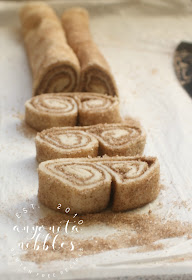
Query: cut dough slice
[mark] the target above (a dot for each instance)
(65, 142)
(50, 110)
(82, 187)
(98, 108)
(119, 139)
(135, 182)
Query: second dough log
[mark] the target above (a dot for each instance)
(96, 75)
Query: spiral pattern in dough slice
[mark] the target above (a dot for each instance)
(129, 169)
(97, 79)
(96, 108)
(54, 103)
(64, 142)
(49, 110)
(135, 182)
(61, 78)
(130, 181)
(119, 139)
(83, 187)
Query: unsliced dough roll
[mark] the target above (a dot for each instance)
(112, 139)
(85, 185)
(69, 109)
(54, 65)
(95, 71)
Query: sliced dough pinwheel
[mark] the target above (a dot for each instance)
(120, 139)
(98, 108)
(69, 109)
(135, 182)
(54, 65)
(111, 139)
(49, 110)
(85, 185)
(64, 143)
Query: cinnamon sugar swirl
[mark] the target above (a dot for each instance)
(49, 110)
(119, 139)
(65, 142)
(96, 75)
(111, 139)
(85, 185)
(95, 108)
(54, 65)
(135, 182)
(69, 109)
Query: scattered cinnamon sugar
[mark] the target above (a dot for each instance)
(182, 203)
(27, 131)
(154, 71)
(19, 116)
(150, 247)
(187, 257)
(131, 121)
(131, 230)
(22, 127)
(163, 187)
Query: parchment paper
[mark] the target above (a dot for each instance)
(138, 39)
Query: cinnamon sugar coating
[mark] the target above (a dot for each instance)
(96, 75)
(85, 185)
(70, 109)
(90, 141)
(54, 65)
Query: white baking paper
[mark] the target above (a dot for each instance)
(138, 39)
